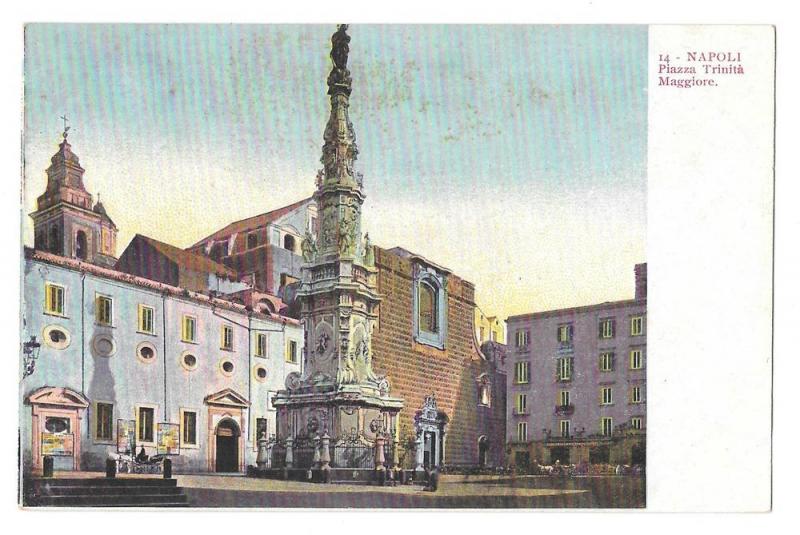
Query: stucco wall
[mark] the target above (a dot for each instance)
(543, 351)
(126, 380)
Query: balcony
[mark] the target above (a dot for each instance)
(565, 410)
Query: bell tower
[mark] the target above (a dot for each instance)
(67, 222)
(338, 391)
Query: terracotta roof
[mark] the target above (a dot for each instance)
(252, 223)
(188, 260)
(107, 273)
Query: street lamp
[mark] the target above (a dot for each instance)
(30, 351)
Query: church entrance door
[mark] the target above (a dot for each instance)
(227, 437)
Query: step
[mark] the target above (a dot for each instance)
(70, 490)
(112, 500)
(105, 481)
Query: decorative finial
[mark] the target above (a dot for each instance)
(66, 128)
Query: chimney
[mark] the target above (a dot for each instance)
(641, 281)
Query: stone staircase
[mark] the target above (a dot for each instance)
(103, 492)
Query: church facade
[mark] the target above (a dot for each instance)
(169, 353)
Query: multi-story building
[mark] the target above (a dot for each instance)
(125, 362)
(264, 249)
(577, 382)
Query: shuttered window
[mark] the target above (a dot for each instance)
(54, 299)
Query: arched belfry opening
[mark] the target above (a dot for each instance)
(81, 246)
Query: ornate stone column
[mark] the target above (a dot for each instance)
(379, 457)
(419, 450)
(289, 453)
(316, 461)
(325, 458)
(263, 455)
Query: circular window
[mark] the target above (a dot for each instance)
(189, 360)
(146, 352)
(226, 366)
(56, 336)
(104, 345)
(260, 373)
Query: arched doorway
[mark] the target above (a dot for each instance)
(431, 427)
(483, 450)
(227, 446)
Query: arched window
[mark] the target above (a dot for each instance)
(428, 308)
(484, 390)
(80, 245)
(288, 242)
(252, 240)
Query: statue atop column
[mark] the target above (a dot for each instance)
(340, 47)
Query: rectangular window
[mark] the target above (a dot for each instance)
(261, 344)
(563, 398)
(636, 394)
(637, 326)
(607, 328)
(189, 328)
(606, 426)
(564, 427)
(606, 361)
(606, 395)
(565, 334)
(564, 368)
(146, 315)
(103, 310)
(145, 424)
(226, 338)
(522, 372)
(522, 431)
(636, 359)
(523, 338)
(291, 351)
(54, 299)
(522, 403)
(188, 428)
(636, 422)
(104, 420)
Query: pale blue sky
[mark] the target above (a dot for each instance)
(514, 155)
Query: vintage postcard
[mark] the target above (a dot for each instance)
(389, 266)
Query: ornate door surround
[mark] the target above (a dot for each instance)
(224, 404)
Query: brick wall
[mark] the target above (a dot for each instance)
(415, 370)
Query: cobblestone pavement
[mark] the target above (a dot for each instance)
(454, 492)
